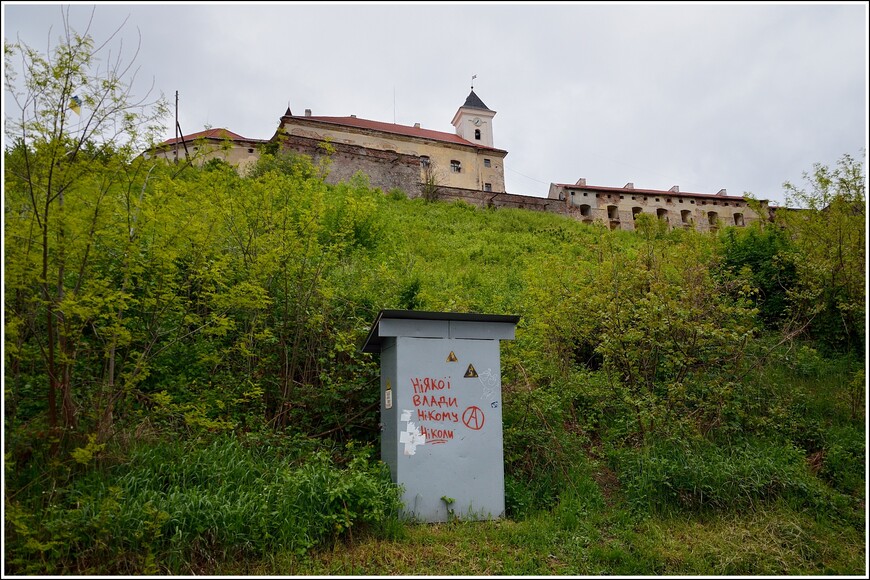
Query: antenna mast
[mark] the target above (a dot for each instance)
(176, 126)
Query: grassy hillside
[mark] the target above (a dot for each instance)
(666, 410)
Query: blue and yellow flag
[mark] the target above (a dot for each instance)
(75, 104)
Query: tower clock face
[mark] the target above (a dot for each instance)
(476, 121)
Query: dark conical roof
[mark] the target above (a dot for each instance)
(474, 102)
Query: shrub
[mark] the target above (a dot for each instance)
(844, 460)
(178, 506)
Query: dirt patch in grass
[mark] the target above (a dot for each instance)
(608, 482)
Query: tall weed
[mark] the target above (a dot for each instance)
(178, 507)
(679, 475)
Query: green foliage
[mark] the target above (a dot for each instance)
(845, 459)
(70, 185)
(684, 475)
(175, 504)
(762, 255)
(829, 251)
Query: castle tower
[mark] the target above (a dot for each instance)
(473, 121)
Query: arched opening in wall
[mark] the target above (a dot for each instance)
(635, 211)
(614, 225)
(613, 212)
(738, 219)
(713, 218)
(477, 134)
(585, 210)
(662, 214)
(424, 161)
(588, 221)
(686, 217)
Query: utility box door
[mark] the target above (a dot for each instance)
(443, 425)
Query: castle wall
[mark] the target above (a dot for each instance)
(386, 169)
(617, 207)
(473, 173)
(501, 200)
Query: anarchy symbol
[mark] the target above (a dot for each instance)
(473, 418)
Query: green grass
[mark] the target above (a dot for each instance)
(180, 506)
(774, 540)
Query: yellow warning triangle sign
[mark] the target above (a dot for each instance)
(451, 357)
(470, 373)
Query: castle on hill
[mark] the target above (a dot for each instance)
(464, 165)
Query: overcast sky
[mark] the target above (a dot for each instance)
(705, 96)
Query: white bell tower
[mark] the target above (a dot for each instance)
(473, 121)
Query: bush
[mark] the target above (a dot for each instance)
(176, 507)
(844, 460)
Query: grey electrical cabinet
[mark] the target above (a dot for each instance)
(441, 410)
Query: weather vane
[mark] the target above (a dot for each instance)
(472, 81)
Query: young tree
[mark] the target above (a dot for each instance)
(828, 231)
(74, 127)
(430, 187)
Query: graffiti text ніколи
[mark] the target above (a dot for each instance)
(436, 436)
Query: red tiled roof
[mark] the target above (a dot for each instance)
(635, 190)
(396, 129)
(211, 134)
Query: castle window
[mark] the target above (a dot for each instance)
(680, 200)
(657, 199)
(712, 218)
(635, 211)
(585, 210)
(487, 187)
(584, 194)
(686, 216)
(477, 134)
(662, 214)
(487, 163)
(738, 219)
(424, 160)
(250, 150)
(455, 166)
(613, 212)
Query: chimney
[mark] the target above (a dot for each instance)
(353, 116)
(629, 185)
(416, 125)
(581, 181)
(675, 189)
(722, 192)
(307, 112)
